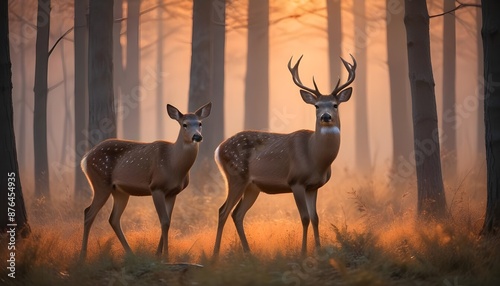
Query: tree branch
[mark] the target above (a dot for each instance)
(58, 40)
(460, 6)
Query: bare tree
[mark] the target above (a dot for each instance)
(362, 146)
(102, 119)
(257, 73)
(334, 28)
(81, 95)
(480, 75)
(449, 146)
(42, 188)
(160, 125)
(397, 63)
(215, 126)
(491, 45)
(118, 69)
(131, 119)
(207, 76)
(431, 197)
(13, 209)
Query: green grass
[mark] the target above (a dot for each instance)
(365, 242)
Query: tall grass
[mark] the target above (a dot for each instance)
(366, 241)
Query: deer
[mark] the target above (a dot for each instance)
(122, 168)
(299, 163)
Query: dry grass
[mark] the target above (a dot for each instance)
(367, 240)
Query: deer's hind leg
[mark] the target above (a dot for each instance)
(102, 192)
(249, 198)
(236, 188)
(120, 201)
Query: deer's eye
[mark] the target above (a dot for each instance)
(200, 124)
(316, 106)
(184, 125)
(335, 106)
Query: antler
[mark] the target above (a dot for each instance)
(351, 68)
(296, 79)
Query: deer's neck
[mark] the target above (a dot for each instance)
(184, 153)
(325, 143)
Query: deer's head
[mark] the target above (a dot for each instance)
(326, 105)
(190, 122)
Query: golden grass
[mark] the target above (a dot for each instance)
(367, 239)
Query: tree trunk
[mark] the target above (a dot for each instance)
(82, 191)
(201, 63)
(160, 112)
(118, 70)
(42, 188)
(102, 119)
(214, 127)
(257, 74)
(397, 62)
(334, 15)
(362, 145)
(200, 84)
(480, 90)
(131, 93)
(431, 197)
(22, 90)
(491, 46)
(12, 203)
(449, 146)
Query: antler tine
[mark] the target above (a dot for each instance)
(296, 79)
(315, 86)
(351, 68)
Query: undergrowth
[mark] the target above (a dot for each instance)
(366, 240)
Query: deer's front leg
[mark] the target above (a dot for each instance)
(161, 208)
(169, 202)
(311, 197)
(299, 194)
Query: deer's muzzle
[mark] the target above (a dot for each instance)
(197, 138)
(326, 117)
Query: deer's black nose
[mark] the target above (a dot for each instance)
(326, 117)
(197, 138)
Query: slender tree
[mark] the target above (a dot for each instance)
(334, 28)
(449, 146)
(491, 46)
(132, 119)
(480, 76)
(257, 71)
(397, 63)
(362, 146)
(41, 91)
(201, 80)
(118, 69)
(102, 119)
(81, 95)
(160, 113)
(431, 197)
(12, 202)
(215, 126)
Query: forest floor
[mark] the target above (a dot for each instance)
(367, 239)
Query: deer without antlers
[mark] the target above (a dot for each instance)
(126, 168)
(299, 162)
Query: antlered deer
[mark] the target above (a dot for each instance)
(299, 162)
(126, 168)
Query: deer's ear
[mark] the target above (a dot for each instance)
(174, 113)
(308, 97)
(344, 95)
(204, 111)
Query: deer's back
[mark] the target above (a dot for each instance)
(241, 153)
(125, 161)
